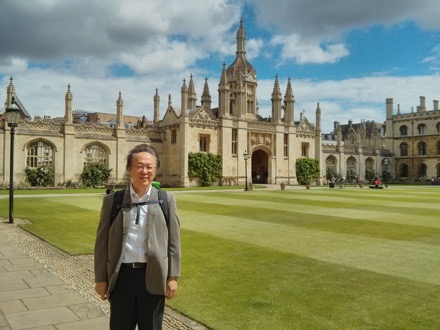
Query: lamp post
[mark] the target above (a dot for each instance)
(12, 116)
(245, 156)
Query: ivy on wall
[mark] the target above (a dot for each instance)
(206, 166)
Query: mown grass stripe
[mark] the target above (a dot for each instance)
(377, 255)
(342, 212)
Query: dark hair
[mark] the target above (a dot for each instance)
(142, 148)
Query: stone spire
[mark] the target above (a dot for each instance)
(192, 97)
(276, 101)
(119, 112)
(184, 98)
(10, 92)
(223, 94)
(156, 101)
(241, 39)
(68, 106)
(206, 96)
(318, 118)
(289, 101)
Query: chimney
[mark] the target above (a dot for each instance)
(435, 104)
(422, 106)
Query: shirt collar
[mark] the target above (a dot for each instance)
(135, 197)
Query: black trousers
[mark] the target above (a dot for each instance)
(131, 304)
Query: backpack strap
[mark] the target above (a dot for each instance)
(117, 202)
(119, 196)
(163, 202)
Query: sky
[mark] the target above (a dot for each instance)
(346, 55)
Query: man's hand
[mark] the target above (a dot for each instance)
(171, 288)
(101, 289)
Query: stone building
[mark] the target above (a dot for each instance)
(355, 148)
(407, 145)
(232, 129)
(414, 141)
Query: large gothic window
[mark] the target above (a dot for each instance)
(403, 130)
(94, 153)
(330, 164)
(204, 143)
(234, 141)
(39, 154)
(369, 163)
(421, 147)
(403, 149)
(351, 164)
(403, 171)
(422, 171)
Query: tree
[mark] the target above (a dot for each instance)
(307, 169)
(95, 174)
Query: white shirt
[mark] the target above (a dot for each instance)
(135, 249)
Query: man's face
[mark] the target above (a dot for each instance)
(142, 169)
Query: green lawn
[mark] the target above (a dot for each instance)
(294, 259)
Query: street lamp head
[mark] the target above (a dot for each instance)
(13, 114)
(385, 161)
(245, 155)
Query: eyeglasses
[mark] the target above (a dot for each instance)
(146, 168)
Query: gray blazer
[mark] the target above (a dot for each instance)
(163, 257)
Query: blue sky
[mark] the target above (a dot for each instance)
(348, 55)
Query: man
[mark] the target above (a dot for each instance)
(137, 256)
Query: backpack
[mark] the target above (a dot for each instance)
(117, 204)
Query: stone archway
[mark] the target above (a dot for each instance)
(260, 167)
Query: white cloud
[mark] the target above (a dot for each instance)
(304, 52)
(355, 99)
(328, 19)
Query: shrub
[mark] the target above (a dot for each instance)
(95, 174)
(350, 175)
(307, 169)
(369, 174)
(330, 173)
(42, 176)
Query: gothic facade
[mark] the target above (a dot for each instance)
(405, 145)
(232, 129)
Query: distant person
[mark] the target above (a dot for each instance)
(355, 181)
(137, 256)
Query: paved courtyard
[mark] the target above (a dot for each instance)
(43, 288)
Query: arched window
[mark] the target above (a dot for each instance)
(438, 127)
(421, 129)
(403, 171)
(438, 147)
(403, 149)
(438, 170)
(422, 171)
(369, 163)
(403, 130)
(421, 147)
(94, 153)
(38, 154)
(330, 165)
(351, 164)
